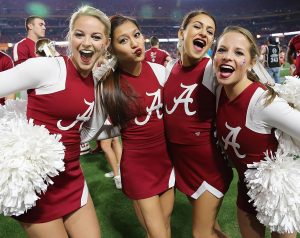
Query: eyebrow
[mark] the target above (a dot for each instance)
(203, 24)
(129, 33)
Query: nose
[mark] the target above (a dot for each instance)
(86, 41)
(202, 31)
(227, 56)
(133, 43)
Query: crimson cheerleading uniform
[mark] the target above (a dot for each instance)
(146, 169)
(156, 55)
(189, 98)
(62, 100)
(246, 127)
(5, 64)
(294, 44)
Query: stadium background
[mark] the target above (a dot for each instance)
(161, 18)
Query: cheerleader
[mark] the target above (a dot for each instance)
(248, 114)
(189, 96)
(62, 97)
(132, 96)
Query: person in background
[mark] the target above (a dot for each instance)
(62, 98)
(271, 59)
(5, 64)
(25, 48)
(293, 55)
(131, 94)
(112, 149)
(248, 109)
(156, 55)
(190, 106)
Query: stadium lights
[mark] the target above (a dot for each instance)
(280, 34)
(291, 33)
(65, 43)
(277, 34)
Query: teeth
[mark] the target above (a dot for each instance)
(227, 67)
(86, 51)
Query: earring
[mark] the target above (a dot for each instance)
(179, 45)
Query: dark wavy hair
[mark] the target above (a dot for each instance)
(118, 100)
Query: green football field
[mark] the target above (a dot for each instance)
(115, 212)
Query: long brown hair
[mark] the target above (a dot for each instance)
(254, 53)
(118, 101)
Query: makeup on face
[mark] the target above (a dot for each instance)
(128, 43)
(88, 43)
(197, 38)
(232, 58)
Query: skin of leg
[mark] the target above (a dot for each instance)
(151, 214)
(117, 148)
(110, 155)
(250, 227)
(139, 215)
(167, 204)
(83, 223)
(277, 235)
(50, 229)
(218, 230)
(205, 211)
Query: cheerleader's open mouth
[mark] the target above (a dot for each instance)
(226, 70)
(199, 44)
(86, 55)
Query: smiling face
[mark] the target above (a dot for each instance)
(128, 44)
(232, 59)
(197, 38)
(88, 41)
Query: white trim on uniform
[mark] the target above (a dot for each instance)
(159, 72)
(208, 78)
(84, 196)
(15, 50)
(206, 187)
(172, 179)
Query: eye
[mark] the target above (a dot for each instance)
(221, 50)
(78, 34)
(123, 41)
(210, 32)
(137, 34)
(197, 26)
(239, 53)
(97, 37)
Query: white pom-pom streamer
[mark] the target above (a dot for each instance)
(290, 91)
(274, 188)
(99, 72)
(29, 157)
(13, 108)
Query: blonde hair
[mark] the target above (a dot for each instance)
(88, 11)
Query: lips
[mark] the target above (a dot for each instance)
(138, 52)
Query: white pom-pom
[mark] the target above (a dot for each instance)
(290, 91)
(99, 72)
(13, 108)
(29, 157)
(274, 188)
